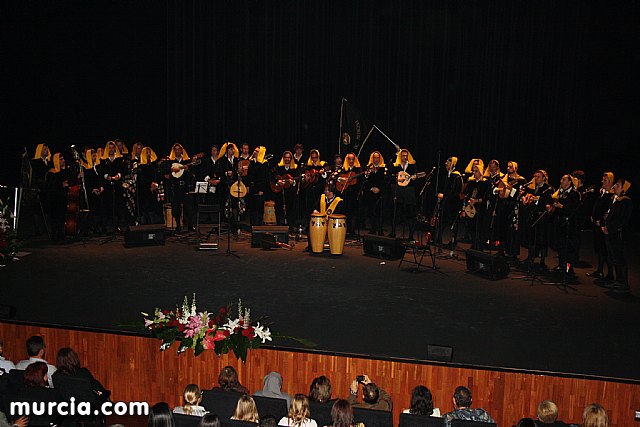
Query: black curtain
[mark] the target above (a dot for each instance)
(549, 84)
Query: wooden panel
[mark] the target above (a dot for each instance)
(134, 369)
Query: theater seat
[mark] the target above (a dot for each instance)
(183, 420)
(467, 423)
(410, 420)
(220, 402)
(372, 417)
(236, 423)
(321, 412)
(271, 406)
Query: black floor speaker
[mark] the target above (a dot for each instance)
(494, 267)
(385, 247)
(144, 235)
(280, 232)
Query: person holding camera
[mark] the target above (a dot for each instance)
(372, 396)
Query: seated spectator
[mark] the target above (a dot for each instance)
(594, 415)
(548, 414)
(246, 410)
(160, 416)
(422, 403)
(209, 420)
(462, 408)
(5, 365)
(372, 396)
(526, 422)
(36, 350)
(20, 422)
(192, 397)
(273, 388)
(68, 364)
(228, 381)
(320, 390)
(36, 383)
(268, 421)
(342, 415)
(299, 413)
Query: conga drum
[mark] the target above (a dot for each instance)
(169, 223)
(317, 232)
(269, 215)
(337, 233)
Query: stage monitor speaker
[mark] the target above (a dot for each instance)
(494, 267)
(144, 235)
(280, 232)
(385, 247)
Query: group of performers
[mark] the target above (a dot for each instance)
(500, 211)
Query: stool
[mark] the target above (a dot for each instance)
(418, 251)
(203, 210)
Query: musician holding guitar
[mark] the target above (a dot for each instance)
(404, 170)
(449, 197)
(179, 185)
(286, 183)
(313, 180)
(564, 208)
(475, 190)
(348, 188)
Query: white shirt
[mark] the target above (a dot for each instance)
(50, 368)
(7, 365)
(308, 422)
(196, 410)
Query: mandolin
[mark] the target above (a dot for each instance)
(405, 178)
(177, 169)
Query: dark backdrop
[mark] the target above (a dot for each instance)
(550, 84)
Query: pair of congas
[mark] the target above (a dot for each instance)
(335, 227)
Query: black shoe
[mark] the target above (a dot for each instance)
(620, 288)
(596, 274)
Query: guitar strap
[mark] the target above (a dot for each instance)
(332, 205)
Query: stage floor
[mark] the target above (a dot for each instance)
(351, 304)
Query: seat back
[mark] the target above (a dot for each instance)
(373, 417)
(220, 402)
(271, 406)
(183, 420)
(410, 420)
(321, 412)
(468, 423)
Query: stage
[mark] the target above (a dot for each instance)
(349, 304)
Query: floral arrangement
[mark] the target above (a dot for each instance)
(200, 331)
(8, 238)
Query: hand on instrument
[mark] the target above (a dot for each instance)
(214, 181)
(604, 230)
(229, 173)
(440, 196)
(175, 168)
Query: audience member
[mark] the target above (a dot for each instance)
(68, 364)
(36, 351)
(268, 421)
(20, 422)
(36, 383)
(462, 400)
(299, 413)
(246, 410)
(5, 365)
(160, 415)
(192, 397)
(320, 390)
(594, 415)
(372, 396)
(209, 420)
(422, 403)
(228, 381)
(273, 388)
(342, 414)
(548, 415)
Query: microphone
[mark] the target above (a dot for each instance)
(268, 157)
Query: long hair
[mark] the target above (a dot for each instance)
(320, 389)
(34, 374)
(594, 415)
(160, 416)
(67, 361)
(421, 401)
(246, 410)
(228, 378)
(341, 414)
(192, 396)
(209, 420)
(299, 410)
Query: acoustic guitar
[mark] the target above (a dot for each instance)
(404, 178)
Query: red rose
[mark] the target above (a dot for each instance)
(165, 311)
(181, 327)
(223, 311)
(226, 333)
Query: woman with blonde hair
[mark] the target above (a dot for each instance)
(299, 413)
(594, 415)
(246, 410)
(192, 397)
